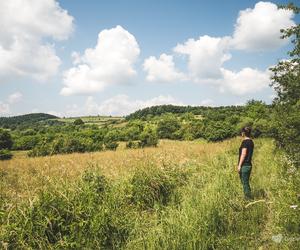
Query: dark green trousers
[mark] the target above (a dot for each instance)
(245, 176)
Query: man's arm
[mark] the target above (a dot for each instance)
(243, 156)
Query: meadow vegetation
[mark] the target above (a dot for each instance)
(178, 195)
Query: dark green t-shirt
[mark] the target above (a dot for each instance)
(249, 145)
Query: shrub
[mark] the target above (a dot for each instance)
(5, 139)
(111, 145)
(153, 185)
(78, 122)
(133, 144)
(5, 154)
(110, 140)
(42, 149)
(149, 137)
(26, 142)
(167, 127)
(218, 131)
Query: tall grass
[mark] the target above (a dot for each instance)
(181, 195)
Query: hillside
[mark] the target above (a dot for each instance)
(196, 110)
(8, 122)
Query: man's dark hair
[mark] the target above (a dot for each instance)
(247, 131)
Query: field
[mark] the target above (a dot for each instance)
(179, 195)
(96, 120)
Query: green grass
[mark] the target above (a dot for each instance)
(191, 205)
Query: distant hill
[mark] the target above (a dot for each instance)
(8, 122)
(197, 110)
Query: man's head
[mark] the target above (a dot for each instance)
(246, 131)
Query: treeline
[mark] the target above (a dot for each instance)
(20, 121)
(286, 82)
(60, 138)
(149, 112)
(45, 138)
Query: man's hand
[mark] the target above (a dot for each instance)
(239, 169)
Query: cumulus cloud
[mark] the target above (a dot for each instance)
(207, 102)
(162, 69)
(110, 62)
(258, 29)
(24, 25)
(10, 101)
(4, 108)
(15, 98)
(118, 105)
(205, 56)
(243, 82)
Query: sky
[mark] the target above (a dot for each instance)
(112, 57)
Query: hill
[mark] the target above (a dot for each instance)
(196, 110)
(13, 121)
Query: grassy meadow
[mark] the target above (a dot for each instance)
(179, 195)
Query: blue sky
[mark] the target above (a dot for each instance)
(148, 53)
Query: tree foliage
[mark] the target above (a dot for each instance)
(5, 139)
(286, 82)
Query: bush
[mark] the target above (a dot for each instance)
(26, 142)
(78, 122)
(155, 186)
(218, 131)
(149, 137)
(167, 127)
(5, 154)
(40, 150)
(111, 145)
(133, 144)
(66, 145)
(110, 140)
(5, 139)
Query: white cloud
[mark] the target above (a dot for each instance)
(24, 25)
(118, 105)
(162, 69)
(207, 102)
(205, 56)
(243, 82)
(122, 105)
(51, 112)
(110, 62)
(4, 108)
(15, 97)
(258, 29)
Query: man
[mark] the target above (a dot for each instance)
(244, 164)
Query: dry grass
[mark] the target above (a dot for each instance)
(22, 177)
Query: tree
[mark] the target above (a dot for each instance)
(167, 127)
(78, 121)
(5, 140)
(149, 137)
(5, 154)
(286, 82)
(218, 130)
(110, 140)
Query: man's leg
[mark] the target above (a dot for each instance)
(245, 177)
